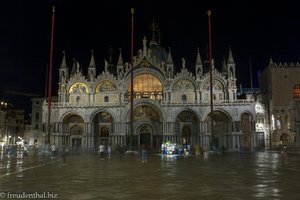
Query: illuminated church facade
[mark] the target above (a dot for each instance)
(95, 108)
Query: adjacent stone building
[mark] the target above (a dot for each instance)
(11, 124)
(280, 91)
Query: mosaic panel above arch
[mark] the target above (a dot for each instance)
(103, 117)
(73, 119)
(184, 85)
(106, 86)
(216, 85)
(78, 88)
(186, 116)
(145, 112)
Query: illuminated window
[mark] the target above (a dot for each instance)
(296, 91)
(147, 86)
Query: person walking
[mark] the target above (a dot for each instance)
(206, 153)
(53, 149)
(101, 151)
(197, 151)
(64, 154)
(144, 154)
(109, 150)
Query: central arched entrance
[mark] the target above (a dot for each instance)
(145, 133)
(76, 133)
(147, 126)
(102, 127)
(187, 127)
(186, 136)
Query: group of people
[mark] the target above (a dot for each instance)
(105, 151)
(64, 152)
(205, 151)
(199, 151)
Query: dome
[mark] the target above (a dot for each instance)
(159, 52)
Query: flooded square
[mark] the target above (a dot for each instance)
(263, 175)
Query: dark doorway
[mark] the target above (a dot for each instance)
(76, 145)
(145, 138)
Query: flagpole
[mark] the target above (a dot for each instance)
(131, 85)
(50, 77)
(210, 75)
(251, 83)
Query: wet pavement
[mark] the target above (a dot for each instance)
(262, 175)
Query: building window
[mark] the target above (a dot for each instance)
(183, 98)
(220, 96)
(106, 98)
(296, 91)
(145, 85)
(36, 126)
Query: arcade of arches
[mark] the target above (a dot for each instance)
(187, 130)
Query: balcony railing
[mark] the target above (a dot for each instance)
(206, 103)
(163, 103)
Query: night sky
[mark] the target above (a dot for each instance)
(253, 29)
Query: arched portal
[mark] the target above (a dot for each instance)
(220, 130)
(284, 139)
(73, 130)
(102, 127)
(145, 133)
(147, 126)
(187, 128)
(186, 135)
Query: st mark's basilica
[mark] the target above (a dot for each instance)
(170, 103)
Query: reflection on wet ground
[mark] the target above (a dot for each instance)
(263, 175)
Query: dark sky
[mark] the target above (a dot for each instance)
(252, 28)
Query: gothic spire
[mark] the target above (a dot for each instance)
(198, 60)
(224, 67)
(92, 68)
(230, 57)
(120, 60)
(73, 71)
(92, 61)
(198, 66)
(154, 28)
(271, 61)
(63, 63)
(169, 59)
